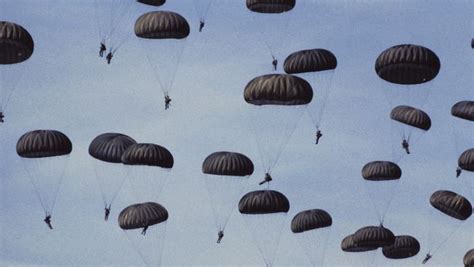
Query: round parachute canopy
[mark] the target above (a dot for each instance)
(42, 144)
(278, 89)
(227, 163)
(373, 236)
(381, 171)
(161, 25)
(141, 215)
(16, 43)
(463, 110)
(469, 258)
(309, 220)
(348, 245)
(109, 147)
(407, 64)
(411, 116)
(270, 6)
(152, 2)
(263, 202)
(405, 246)
(466, 160)
(148, 154)
(451, 204)
(310, 61)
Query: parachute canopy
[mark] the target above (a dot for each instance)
(466, 160)
(161, 25)
(381, 171)
(373, 236)
(263, 202)
(16, 43)
(270, 6)
(152, 2)
(109, 147)
(407, 64)
(309, 220)
(469, 258)
(141, 215)
(43, 143)
(227, 163)
(463, 110)
(405, 246)
(278, 89)
(451, 204)
(411, 116)
(310, 61)
(148, 154)
(348, 245)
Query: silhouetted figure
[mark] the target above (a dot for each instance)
(47, 220)
(268, 178)
(274, 63)
(318, 136)
(102, 49)
(144, 230)
(427, 258)
(201, 25)
(220, 236)
(1, 117)
(458, 172)
(109, 57)
(107, 212)
(167, 102)
(406, 146)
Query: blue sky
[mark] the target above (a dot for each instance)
(66, 87)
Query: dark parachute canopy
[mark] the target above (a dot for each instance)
(227, 163)
(109, 147)
(407, 64)
(466, 160)
(270, 6)
(405, 246)
(278, 89)
(148, 154)
(373, 236)
(411, 116)
(310, 61)
(463, 110)
(451, 204)
(43, 143)
(309, 220)
(381, 171)
(263, 202)
(141, 215)
(348, 245)
(161, 25)
(16, 43)
(152, 2)
(469, 258)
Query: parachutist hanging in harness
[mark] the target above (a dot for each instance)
(102, 49)
(167, 102)
(1, 117)
(427, 258)
(109, 57)
(458, 172)
(47, 220)
(268, 178)
(318, 136)
(201, 25)
(220, 235)
(107, 212)
(406, 146)
(144, 230)
(274, 63)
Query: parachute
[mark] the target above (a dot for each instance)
(265, 212)
(149, 166)
(107, 149)
(225, 176)
(348, 245)
(451, 204)
(272, 6)
(152, 2)
(466, 160)
(44, 155)
(469, 258)
(145, 226)
(16, 46)
(277, 101)
(405, 246)
(381, 171)
(163, 35)
(202, 8)
(312, 229)
(373, 236)
(317, 66)
(463, 110)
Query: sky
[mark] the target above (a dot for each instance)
(65, 86)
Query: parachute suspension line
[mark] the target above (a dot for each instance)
(445, 239)
(32, 179)
(9, 93)
(216, 220)
(207, 9)
(102, 191)
(122, 12)
(97, 17)
(260, 151)
(173, 75)
(114, 195)
(61, 178)
(155, 72)
(328, 82)
(139, 252)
